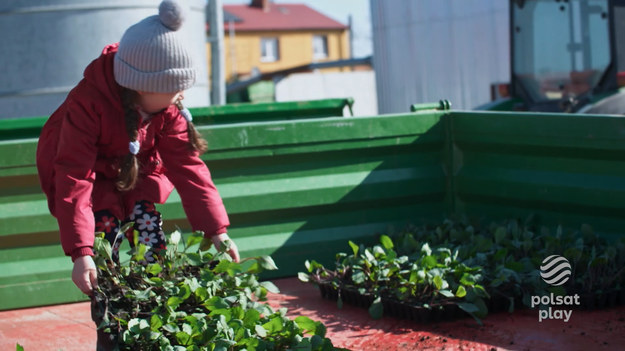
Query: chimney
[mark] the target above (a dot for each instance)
(261, 4)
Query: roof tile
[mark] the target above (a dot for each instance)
(279, 17)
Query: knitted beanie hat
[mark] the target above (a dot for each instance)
(152, 57)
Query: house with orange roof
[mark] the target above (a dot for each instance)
(265, 37)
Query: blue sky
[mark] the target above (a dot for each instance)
(339, 10)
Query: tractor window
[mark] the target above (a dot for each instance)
(619, 32)
(560, 48)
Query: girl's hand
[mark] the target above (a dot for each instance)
(219, 240)
(85, 275)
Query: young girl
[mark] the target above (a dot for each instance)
(121, 141)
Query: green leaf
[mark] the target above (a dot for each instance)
(354, 247)
(174, 238)
(413, 277)
(154, 269)
(103, 248)
(19, 347)
(500, 235)
(194, 238)
(135, 238)
(193, 284)
(172, 328)
(223, 313)
(127, 337)
(461, 292)
(139, 252)
(274, 325)
(174, 302)
(205, 244)
(260, 331)
(429, 262)
(515, 266)
(250, 318)
(215, 303)
(446, 293)
(183, 338)
(201, 294)
(376, 310)
(438, 282)
(187, 328)
(194, 259)
(254, 268)
(225, 266)
(378, 251)
(468, 307)
(267, 263)
(359, 277)
(467, 279)
(271, 287)
(426, 249)
(316, 342)
(386, 242)
(155, 322)
(184, 292)
(142, 295)
(303, 277)
(306, 323)
(303, 345)
(501, 254)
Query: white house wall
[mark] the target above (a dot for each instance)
(359, 85)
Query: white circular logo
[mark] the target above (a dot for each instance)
(555, 270)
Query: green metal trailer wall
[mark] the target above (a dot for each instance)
(565, 169)
(301, 189)
(30, 127)
(293, 189)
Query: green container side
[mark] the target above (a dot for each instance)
(299, 189)
(562, 169)
(293, 189)
(30, 127)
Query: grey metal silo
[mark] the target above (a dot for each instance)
(48, 43)
(428, 50)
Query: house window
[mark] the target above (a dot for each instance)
(269, 50)
(320, 47)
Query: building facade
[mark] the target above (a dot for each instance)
(265, 37)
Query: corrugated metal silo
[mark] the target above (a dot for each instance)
(48, 43)
(429, 50)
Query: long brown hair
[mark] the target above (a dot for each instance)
(129, 172)
(196, 141)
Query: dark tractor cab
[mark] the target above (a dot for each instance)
(566, 56)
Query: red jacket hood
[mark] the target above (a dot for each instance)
(99, 74)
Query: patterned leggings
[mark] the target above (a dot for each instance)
(147, 221)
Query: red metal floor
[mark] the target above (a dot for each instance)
(69, 328)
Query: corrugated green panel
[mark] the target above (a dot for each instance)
(293, 189)
(567, 169)
(22, 128)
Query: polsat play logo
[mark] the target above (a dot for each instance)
(555, 270)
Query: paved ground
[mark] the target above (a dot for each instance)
(69, 328)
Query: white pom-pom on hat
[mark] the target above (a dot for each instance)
(171, 14)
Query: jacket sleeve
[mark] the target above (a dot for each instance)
(74, 177)
(191, 178)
